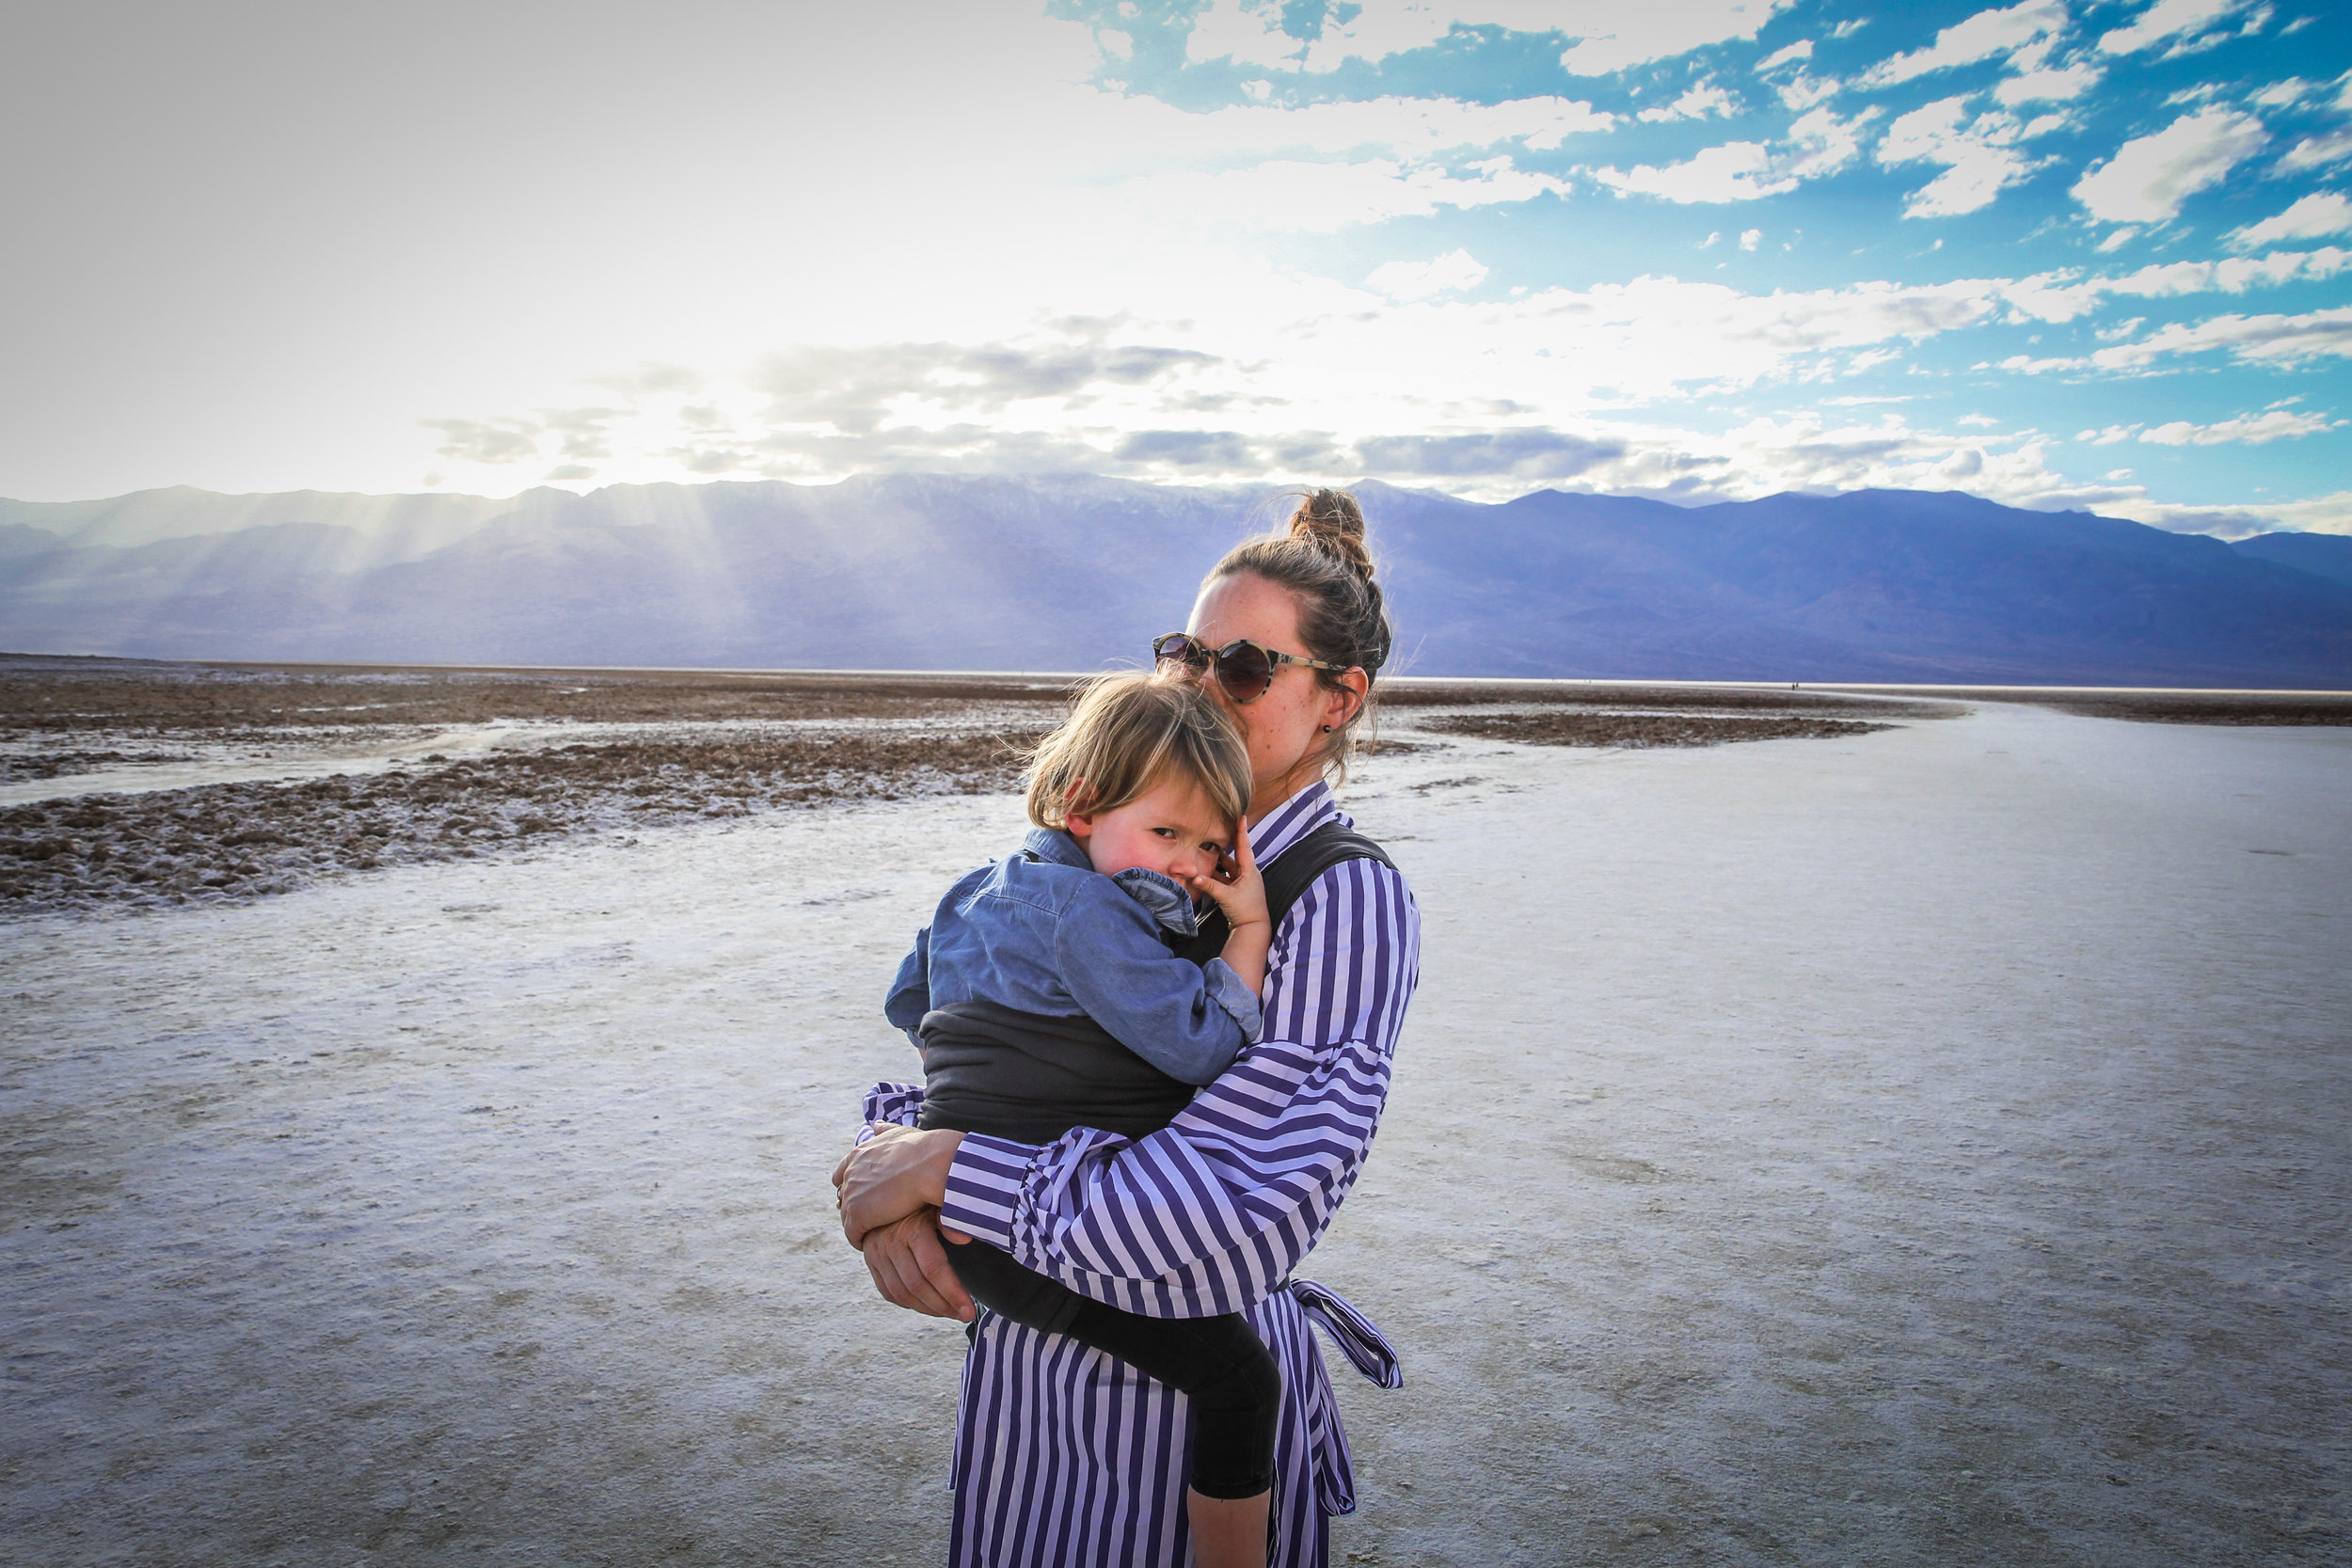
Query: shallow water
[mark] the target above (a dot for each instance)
(1920, 1148)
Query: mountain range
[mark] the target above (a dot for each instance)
(1074, 571)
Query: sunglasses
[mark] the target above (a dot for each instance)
(1244, 669)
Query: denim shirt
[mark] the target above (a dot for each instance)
(1041, 932)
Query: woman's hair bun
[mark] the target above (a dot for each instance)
(1332, 522)
(1324, 559)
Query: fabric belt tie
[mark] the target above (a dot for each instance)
(1367, 1350)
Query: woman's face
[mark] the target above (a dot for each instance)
(1283, 728)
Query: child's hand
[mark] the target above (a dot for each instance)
(1241, 891)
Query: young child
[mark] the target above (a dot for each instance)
(1045, 996)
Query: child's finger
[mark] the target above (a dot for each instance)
(1215, 888)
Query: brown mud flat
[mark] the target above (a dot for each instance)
(229, 842)
(57, 764)
(1640, 731)
(2158, 708)
(1411, 693)
(728, 743)
(134, 697)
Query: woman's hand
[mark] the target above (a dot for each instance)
(896, 1172)
(910, 1267)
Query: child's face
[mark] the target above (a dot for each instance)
(1170, 829)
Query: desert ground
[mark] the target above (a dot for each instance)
(1914, 1136)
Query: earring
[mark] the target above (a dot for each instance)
(1326, 729)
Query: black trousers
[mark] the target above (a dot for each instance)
(1218, 1364)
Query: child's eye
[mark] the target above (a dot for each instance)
(1165, 832)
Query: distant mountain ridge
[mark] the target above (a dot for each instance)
(1077, 571)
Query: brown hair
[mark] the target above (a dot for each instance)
(1323, 559)
(1124, 734)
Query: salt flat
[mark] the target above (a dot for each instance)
(1926, 1146)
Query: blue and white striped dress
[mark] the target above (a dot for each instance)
(1066, 1456)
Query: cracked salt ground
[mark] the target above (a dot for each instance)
(1868, 1149)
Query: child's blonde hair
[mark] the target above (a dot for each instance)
(1123, 735)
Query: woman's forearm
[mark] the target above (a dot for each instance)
(1201, 1218)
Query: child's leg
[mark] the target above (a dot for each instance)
(1010, 1290)
(1235, 1389)
(1218, 1364)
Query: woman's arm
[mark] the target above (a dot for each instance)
(1211, 1213)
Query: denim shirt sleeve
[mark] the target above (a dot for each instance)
(1176, 1015)
(910, 995)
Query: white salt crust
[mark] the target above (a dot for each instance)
(1922, 1148)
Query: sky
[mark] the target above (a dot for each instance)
(2057, 254)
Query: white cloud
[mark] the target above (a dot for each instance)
(1178, 402)
(1274, 180)
(1751, 238)
(2280, 94)
(2183, 20)
(508, 440)
(2315, 216)
(1319, 196)
(1507, 401)
(2062, 297)
(1818, 144)
(1701, 100)
(1763, 456)
(1803, 92)
(1978, 174)
(2026, 365)
(1734, 171)
(2048, 86)
(1609, 37)
(1980, 38)
(2150, 177)
(2249, 340)
(1448, 274)
(2319, 515)
(2248, 429)
(2316, 153)
(1980, 157)
(1800, 49)
(1413, 127)
(2118, 240)
(1638, 34)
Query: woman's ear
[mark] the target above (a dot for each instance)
(1346, 700)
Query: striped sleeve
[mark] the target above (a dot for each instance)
(1209, 1214)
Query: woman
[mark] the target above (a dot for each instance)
(1062, 1454)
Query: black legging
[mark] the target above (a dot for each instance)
(1219, 1364)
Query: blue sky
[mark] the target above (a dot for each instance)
(2057, 254)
